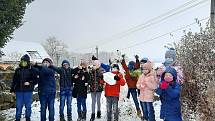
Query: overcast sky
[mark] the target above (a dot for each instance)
(84, 24)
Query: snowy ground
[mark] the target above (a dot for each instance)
(126, 107)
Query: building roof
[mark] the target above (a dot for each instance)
(15, 49)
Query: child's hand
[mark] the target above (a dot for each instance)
(116, 77)
(76, 76)
(164, 85)
(83, 78)
(26, 83)
(86, 84)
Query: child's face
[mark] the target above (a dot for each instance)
(159, 71)
(168, 77)
(23, 63)
(46, 63)
(115, 70)
(145, 71)
(66, 65)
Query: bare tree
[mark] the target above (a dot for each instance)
(55, 48)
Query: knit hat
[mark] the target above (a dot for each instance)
(147, 65)
(65, 62)
(131, 65)
(26, 58)
(144, 60)
(47, 59)
(170, 53)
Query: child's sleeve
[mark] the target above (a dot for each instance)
(124, 66)
(139, 82)
(14, 82)
(122, 80)
(57, 69)
(35, 75)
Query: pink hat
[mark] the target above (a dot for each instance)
(148, 65)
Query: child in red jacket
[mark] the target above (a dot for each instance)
(112, 91)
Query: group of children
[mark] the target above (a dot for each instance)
(142, 81)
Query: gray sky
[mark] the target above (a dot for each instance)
(84, 23)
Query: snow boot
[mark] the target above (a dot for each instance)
(139, 114)
(69, 118)
(99, 114)
(62, 118)
(28, 119)
(92, 117)
(84, 116)
(79, 116)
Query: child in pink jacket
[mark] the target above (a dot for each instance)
(147, 84)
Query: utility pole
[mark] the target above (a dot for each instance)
(212, 19)
(97, 52)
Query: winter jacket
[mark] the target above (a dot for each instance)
(147, 85)
(80, 89)
(66, 80)
(94, 82)
(170, 98)
(114, 90)
(47, 82)
(131, 79)
(22, 75)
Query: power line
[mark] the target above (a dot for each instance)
(160, 16)
(146, 26)
(140, 43)
(143, 27)
(150, 22)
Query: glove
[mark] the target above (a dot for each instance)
(123, 56)
(164, 85)
(94, 58)
(116, 77)
(136, 56)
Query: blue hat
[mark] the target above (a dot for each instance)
(170, 53)
(25, 58)
(65, 61)
(131, 65)
(144, 60)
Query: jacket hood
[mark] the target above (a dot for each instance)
(172, 71)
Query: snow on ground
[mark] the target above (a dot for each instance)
(126, 108)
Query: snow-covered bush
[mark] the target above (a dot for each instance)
(196, 54)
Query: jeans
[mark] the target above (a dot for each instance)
(66, 95)
(23, 98)
(134, 93)
(81, 102)
(96, 98)
(148, 111)
(47, 100)
(112, 107)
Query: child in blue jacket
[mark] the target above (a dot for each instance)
(46, 89)
(169, 91)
